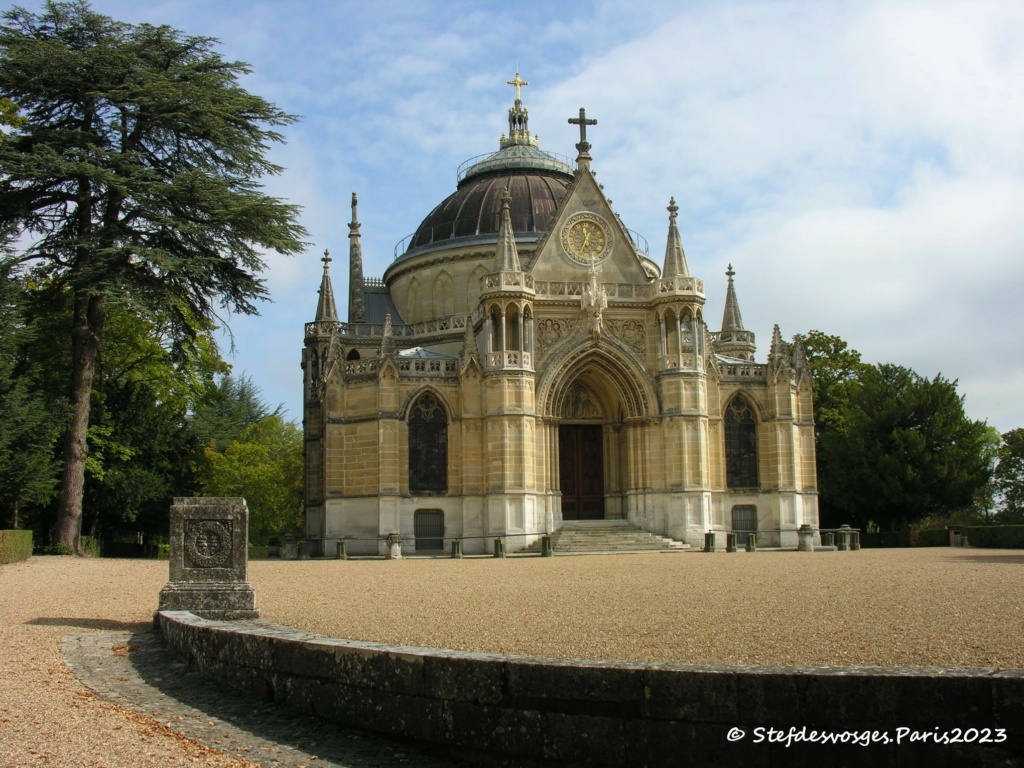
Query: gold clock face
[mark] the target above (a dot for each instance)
(586, 238)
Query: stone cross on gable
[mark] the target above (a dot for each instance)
(582, 121)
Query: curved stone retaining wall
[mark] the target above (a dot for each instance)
(615, 713)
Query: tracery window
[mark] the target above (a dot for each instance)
(428, 446)
(740, 445)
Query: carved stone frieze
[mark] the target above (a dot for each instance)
(580, 404)
(633, 332)
(550, 331)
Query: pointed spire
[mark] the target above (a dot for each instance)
(731, 318)
(506, 257)
(675, 257)
(325, 308)
(356, 305)
(733, 339)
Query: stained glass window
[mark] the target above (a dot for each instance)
(428, 446)
(740, 445)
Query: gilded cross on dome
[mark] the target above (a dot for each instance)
(518, 83)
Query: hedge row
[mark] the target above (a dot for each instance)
(15, 546)
(997, 536)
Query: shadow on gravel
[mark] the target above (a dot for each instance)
(985, 559)
(293, 736)
(105, 624)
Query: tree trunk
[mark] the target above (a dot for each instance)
(86, 331)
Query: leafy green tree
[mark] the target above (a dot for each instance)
(265, 466)
(834, 365)
(904, 449)
(1009, 478)
(142, 454)
(142, 448)
(134, 180)
(29, 424)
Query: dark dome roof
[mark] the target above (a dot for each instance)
(536, 180)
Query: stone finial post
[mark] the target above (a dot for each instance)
(209, 557)
(805, 538)
(393, 543)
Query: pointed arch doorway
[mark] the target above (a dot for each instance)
(581, 471)
(598, 403)
(581, 451)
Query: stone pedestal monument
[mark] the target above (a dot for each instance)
(209, 554)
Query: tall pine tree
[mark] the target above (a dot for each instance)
(134, 181)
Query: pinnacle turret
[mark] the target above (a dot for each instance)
(675, 257)
(325, 308)
(734, 340)
(779, 358)
(731, 318)
(506, 257)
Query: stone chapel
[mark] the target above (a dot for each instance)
(524, 362)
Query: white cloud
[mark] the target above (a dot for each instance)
(860, 164)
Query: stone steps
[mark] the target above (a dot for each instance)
(593, 536)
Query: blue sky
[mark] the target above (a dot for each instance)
(861, 164)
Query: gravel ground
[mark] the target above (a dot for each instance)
(926, 607)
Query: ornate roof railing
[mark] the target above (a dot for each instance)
(500, 280)
(502, 160)
(624, 291)
(680, 283)
(442, 326)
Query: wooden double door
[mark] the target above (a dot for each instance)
(581, 471)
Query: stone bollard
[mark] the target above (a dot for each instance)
(499, 547)
(456, 549)
(547, 549)
(855, 541)
(843, 536)
(709, 541)
(805, 538)
(289, 549)
(827, 539)
(342, 550)
(730, 542)
(393, 543)
(303, 550)
(751, 542)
